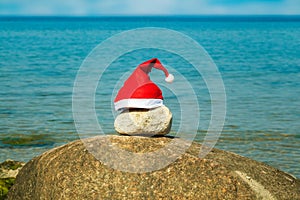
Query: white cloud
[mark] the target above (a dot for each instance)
(291, 7)
(262, 8)
(150, 7)
(163, 7)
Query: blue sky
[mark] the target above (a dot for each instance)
(148, 7)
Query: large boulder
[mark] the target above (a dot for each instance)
(150, 122)
(72, 172)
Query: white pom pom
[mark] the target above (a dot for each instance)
(170, 78)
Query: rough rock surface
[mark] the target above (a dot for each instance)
(157, 121)
(72, 172)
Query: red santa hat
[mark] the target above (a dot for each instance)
(139, 91)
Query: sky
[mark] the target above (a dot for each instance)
(148, 7)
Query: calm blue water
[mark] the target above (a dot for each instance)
(259, 59)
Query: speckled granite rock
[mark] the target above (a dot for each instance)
(151, 122)
(71, 172)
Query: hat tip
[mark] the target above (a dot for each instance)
(169, 78)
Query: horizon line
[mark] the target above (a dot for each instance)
(166, 15)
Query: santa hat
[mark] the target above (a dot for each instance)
(139, 91)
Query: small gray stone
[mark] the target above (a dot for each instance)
(157, 121)
(8, 172)
(10, 168)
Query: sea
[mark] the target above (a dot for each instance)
(257, 57)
